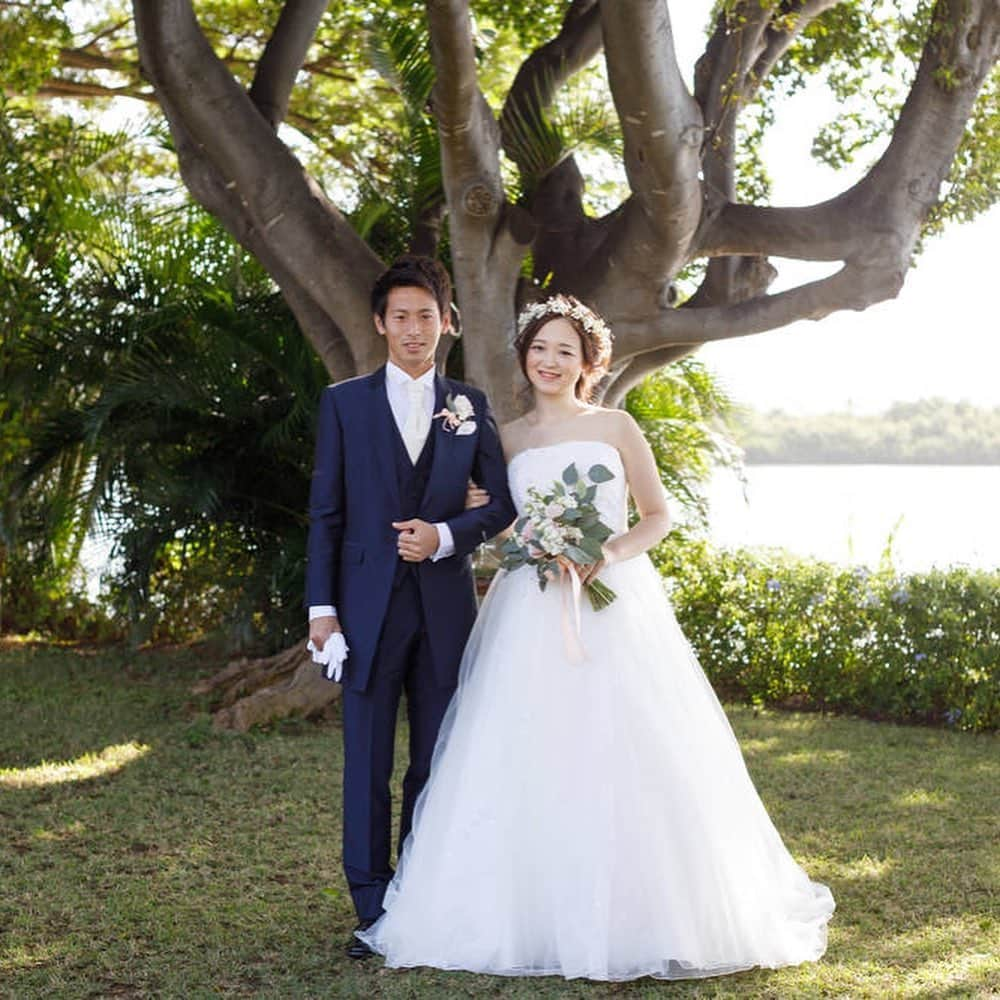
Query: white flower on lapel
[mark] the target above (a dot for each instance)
(463, 408)
(458, 415)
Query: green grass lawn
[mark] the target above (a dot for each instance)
(143, 855)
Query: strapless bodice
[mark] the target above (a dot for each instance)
(542, 466)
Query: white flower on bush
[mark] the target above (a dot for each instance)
(555, 510)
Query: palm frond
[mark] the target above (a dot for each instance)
(399, 51)
(687, 416)
(581, 117)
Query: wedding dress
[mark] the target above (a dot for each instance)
(592, 819)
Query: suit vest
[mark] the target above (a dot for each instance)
(412, 479)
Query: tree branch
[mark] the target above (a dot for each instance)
(85, 58)
(727, 76)
(457, 100)
(881, 215)
(962, 46)
(470, 138)
(427, 229)
(855, 286)
(568, 241)
(545, 71)
(206, 185)
(826, 231)
(873, 226)
(488, 237)
(777, 40)
(283, 57)
(662, 128)
(565, 236)
(721, 73)
(743, 49)
(634, 371)
(57, 87)
(294, 228)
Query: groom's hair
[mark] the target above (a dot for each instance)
(413, 271)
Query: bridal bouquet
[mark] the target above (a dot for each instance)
(560, 527)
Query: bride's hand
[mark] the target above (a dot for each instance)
(475, 496)
(590, 573)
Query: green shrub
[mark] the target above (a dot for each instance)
(773, 628)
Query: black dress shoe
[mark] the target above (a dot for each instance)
(356, 948)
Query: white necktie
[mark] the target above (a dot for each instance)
(417, 422)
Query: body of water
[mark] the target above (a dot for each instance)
(937, 515)
(932, 515)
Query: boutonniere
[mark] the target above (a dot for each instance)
(457, 415)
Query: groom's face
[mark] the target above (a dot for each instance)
(412, 328)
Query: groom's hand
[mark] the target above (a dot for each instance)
(418, 540)
(320, 629)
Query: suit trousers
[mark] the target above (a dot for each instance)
(402, 663)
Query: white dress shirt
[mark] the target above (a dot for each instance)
(397, 386)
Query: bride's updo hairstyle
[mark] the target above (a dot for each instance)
(594, 333)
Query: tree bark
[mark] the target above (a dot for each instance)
(283, 57)
(250, 692)
(489, 236)
(650, 239)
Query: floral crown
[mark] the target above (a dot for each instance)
(566, 305)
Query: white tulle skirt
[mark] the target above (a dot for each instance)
(593, 819)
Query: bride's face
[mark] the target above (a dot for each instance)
(554, 362)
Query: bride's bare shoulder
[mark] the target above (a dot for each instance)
(512, 436)
(611, 426)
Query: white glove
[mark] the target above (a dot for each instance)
(331, 657)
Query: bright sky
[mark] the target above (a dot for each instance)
(939, 337)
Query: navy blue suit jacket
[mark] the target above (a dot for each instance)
(352, 551)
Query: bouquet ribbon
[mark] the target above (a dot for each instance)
(572, 638)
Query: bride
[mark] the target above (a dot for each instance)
(590, 818)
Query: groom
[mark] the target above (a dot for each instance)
(388, 555)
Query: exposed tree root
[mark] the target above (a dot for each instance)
(252, 692)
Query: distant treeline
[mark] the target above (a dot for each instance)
(931, 431)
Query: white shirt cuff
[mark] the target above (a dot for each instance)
(446, 543)
(322, 611)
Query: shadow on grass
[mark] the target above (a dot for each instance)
(58, 703)
(210, 866)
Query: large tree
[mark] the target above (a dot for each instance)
(505, 189)
(425, 97)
